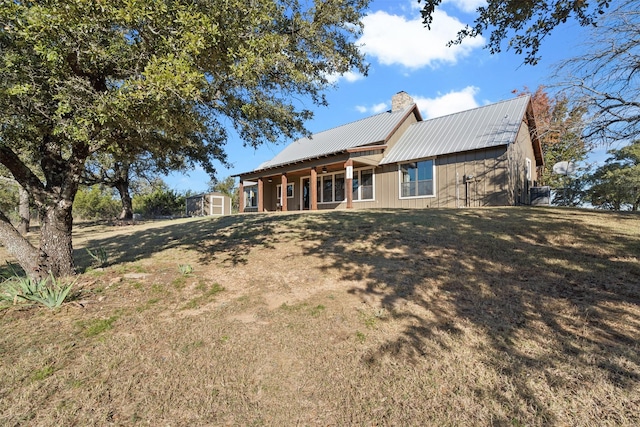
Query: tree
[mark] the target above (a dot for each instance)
(527, 23)
(82, 78)
(606, 77)
(616, 184)
(559, 126)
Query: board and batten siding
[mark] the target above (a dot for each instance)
(488, 187)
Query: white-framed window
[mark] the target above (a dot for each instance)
(289, 191)
(416, 179)
(527, 169)
(363, 184)
(251, 196)
(331, 187)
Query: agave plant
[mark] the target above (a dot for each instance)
(48, 291)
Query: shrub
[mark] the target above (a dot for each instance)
(96, 202)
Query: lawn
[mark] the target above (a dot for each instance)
(490, 317)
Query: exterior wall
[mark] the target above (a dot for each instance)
(488, 187)
(518, 155)
(411, 119)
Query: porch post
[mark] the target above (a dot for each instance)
(241, 197)
(349, 182)
(313, 184)
(283, 192)
(260, 195)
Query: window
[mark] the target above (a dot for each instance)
(289, 191)
(251, 196)
(528, 170)
(363, 184)
(331, 188)
(416, 179)
(339, 187)
(327, 189)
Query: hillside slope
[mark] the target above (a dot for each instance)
(506, 316)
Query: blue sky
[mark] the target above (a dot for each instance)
(405, 56)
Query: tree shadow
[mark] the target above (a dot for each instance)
(231, 236)
(503, 273)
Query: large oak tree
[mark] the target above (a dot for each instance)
(161, 78)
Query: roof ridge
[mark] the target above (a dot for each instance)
(493, 104)
(360, 120)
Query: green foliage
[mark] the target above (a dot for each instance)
(9, 198)
(616, 184)
(185, 269)
(97, 326)
(99, 255)
(161, 201)
(95, 202)
(48, 291)
(43, 373)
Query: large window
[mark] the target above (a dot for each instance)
(251, 196)
(363, 184)
(416, 179)
(331, 188)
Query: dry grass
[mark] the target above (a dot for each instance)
(507, 316)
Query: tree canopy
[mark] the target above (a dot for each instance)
(559, 126)
(524, 23)
(616, 184)
(163, 79)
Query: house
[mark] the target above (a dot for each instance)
(208, 204)
(487, 156)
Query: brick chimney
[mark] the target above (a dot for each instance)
(400, 101)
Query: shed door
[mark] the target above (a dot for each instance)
(216, 205)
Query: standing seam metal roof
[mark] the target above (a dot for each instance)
(482, 127)
(356, 134)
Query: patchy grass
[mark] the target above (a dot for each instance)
(506, 316)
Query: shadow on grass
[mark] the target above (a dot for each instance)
(234, 236)
(502, 270)
(506, 271)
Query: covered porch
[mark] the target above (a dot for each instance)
(339, 181)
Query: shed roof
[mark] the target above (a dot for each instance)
(367, 131)
(482, 127)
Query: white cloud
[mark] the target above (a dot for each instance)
(466, 5)
(448, 103)
(349, 76)
(394, 39)
(373, 109)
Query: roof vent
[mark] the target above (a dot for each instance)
(400, 101)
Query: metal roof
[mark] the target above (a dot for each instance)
(374, 129)
(482, 127)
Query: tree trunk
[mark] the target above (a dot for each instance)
(56, 249)
(24, 211)
(121, 183)
(16, 244)
(125, 197)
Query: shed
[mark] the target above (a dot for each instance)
(208, 204)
